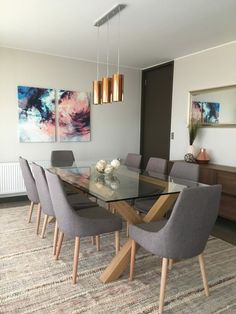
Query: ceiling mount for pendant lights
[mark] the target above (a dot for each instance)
(110, 89)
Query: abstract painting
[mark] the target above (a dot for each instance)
(205, 112)
(73, 116)
(210, 112)
(36, 114)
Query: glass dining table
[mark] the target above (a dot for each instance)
(118, 190)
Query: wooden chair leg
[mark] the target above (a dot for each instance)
(164, 271)
(76, 257)
(170, 263)
(117, 241)
(132, 260)
(127, 229)
(59, 243)
(38, 218)
(45, 222)
(204, 275)
(98, 242)
(55, 238)
(93, 240)
(30, 211)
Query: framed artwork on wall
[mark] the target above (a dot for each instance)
(36, 107)
(205, 112)
(213, 107)
(73, 116)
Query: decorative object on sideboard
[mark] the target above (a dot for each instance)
(103, 167)
(193, 129)
(189, 157)
(202, 157)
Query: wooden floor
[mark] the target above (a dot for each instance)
(223, 229)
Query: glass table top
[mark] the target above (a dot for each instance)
(124, 184)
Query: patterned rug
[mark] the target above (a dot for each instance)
(32, 282)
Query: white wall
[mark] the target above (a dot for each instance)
(115, 128)
(208, 69)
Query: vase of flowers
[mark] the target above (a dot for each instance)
(103, 167)
(193, 130)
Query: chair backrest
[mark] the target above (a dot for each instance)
(60, 158)
(184, 170)
(43, 190)
(192, 219)
(157, 164)
(66, 217)
(133, 160)
(29, 181)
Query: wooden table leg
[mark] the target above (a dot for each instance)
(122, 259)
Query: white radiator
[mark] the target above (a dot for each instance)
(11, 180)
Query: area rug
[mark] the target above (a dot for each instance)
(32, 282)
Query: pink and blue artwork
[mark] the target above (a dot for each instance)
(205, 112)
(36, 114)
(73, 116)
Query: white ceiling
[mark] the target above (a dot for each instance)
(152, 31)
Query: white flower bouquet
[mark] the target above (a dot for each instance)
(102, 166)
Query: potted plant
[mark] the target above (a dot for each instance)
(193, 130)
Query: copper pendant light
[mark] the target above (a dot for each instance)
(106, 90)
(117, 87)
(97, 92)
(97, 85)
(110, 89)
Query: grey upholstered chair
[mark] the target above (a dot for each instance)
(60, 158)
(77, 201)
(133, 160)
(184, 235)
(185, 170)
(85, 222)
(156, 164)
(31, 190)
(64, 158)
(180, 170)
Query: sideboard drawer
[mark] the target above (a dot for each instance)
(228, 181)
(207, 176)
(228, 207)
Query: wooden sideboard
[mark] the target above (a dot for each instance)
(226, 176)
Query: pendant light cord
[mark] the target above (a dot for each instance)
(98, 53)
(108, 47)
(118, 61)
